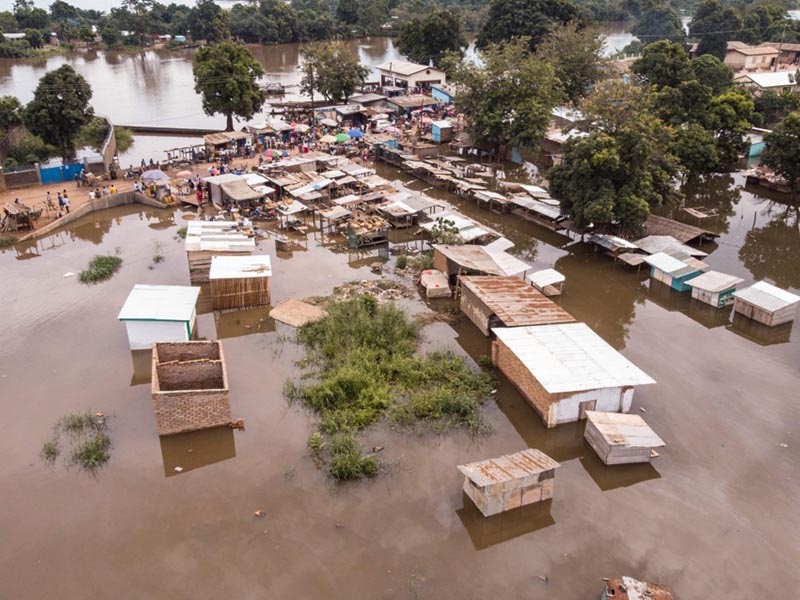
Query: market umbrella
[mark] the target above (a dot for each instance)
(269, 153)
(284, 153)
(355, 133)
(328, 139)
(342, 137)
(184, 174)
(154, 175)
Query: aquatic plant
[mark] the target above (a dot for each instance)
(422, 262)
(181, 233)
(367, 366)
(100, 268)
(93, 452)
(88, 441)
(401, 261)
(50, 451)
(7, 240)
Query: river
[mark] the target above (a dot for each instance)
(714, 513)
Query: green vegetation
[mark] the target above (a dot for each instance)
(430, 37)
(88, 440)
(124, 137)
(93, 134)
(529, 19)
(423, 262)
(402, 260)
(331, 70)
(367, 366)
(100, 268)
(225, 77)
(181, 233)
(7, 240)
(782, 153)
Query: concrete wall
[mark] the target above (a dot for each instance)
(190, 375)
(476, 310)
(494, 499)
(520, 376)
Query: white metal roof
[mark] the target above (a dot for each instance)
(535, 190)
(240, 267)
(570, 358)
(159, 303)
(714, 281)
(537, 206)
(612, 242)
(404, 67)
(545, 277)
(221, 236)
(667, 244)
(626, 430)
(220, 179)
(669, 264)
(254, 179)
(442, 124)
(766, 296)
(291, 209)
(772, 79)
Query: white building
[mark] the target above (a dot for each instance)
(740, 56)
(766, 304)
(159, 313)
(404, 74)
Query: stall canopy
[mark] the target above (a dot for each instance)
(239, 191)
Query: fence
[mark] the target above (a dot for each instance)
(59, 173)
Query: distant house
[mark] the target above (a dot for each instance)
(444, 92)
(789, 53)
(740, 56)
(776, 81)
(14, 36)
(404, 74)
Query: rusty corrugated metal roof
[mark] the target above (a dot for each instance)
(627, 588)
(516, 302)
(508, 467)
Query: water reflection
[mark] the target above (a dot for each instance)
(188, 451)
(243, 322)
(758, 332)
(771, 252)
(611, 477)
(489, 531)
(142, 367)
(718, 192)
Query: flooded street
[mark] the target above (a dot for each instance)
(715, 511)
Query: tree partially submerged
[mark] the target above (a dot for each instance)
(60, 108)
(427, 39)
(782, 153)
(331, 70)
(225, 76)
(531, 19)
(508, 99)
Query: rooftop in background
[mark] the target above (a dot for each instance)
(515, 302)
(509, 467)
(159, 303)
(766, 296)
(666, 244)
(403, 67)
(771, 79)
(412, 100)
(570, 358)
(743, 48)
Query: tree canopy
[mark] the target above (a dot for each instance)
(10, 112)
(207, 21)
(60, 108)
(782, 153)
(332, 70)
(427, 39)
(658, 21)
(663, 64)
(531, 19)
(225, 76)
(509, 98)
(715, 24)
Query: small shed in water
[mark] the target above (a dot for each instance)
(475, 260)
(565, 370)
(189, 386)
(441, 131)
(620, 439)
(239, 281)
(766, 304)
(496, 485)
(205, 239)
(671, 271)
(507, 302)
(548, 281)
(159, 313)
(628, 588)
(714, 288)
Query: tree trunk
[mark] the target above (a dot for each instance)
(229, 125)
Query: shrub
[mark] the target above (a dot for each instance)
(401, 261)
(7, 240)
(100, 268)
(50, 451)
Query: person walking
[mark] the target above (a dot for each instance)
(66, 203)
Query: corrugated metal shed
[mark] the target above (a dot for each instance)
(714, 281)
(545, 277)
(239, 191)
(537, 206)
(766, 296)
(655, 225)
(612, 242)
(240, 267)
(337, 212)
(508, 467)
(666, 244)
(515, 302)
(220, 236)
(625, 430)
(159, 303)
(669, 265)
(570, 358)
(483, 259)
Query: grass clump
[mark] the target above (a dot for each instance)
(181, 233)
(367, 366)
(7, 240)
(100, 268)
(401, 261)
(423, 262)
(87, 437)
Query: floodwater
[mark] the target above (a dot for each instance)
(716, 512)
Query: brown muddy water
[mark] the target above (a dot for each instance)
(713, 517)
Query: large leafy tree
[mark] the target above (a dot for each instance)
(532, 19)
(659, 21)
(10, 112)
(428, 38)
(139, 18)
(663, 64)
(711, 71)
(60, 108)
(208, 22)
(715, 24)
(507, 99)
(762, 22)
(731, 115)
(782, 153)
(225, 76)
(332, 70)
(577, 58)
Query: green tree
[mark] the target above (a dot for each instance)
(208, 22)
(8, 22)
(696, 149)
(533, 19)
(715, 24)
(712, 72)
(760, 22)
(731, 114)
(225, 76)
(663, 64)
(60, 108)
(34, 38)
(659, 21)
(577, 58)
(248, 24)
(782, 153)
(332, 70)
(348, 11)
(62, 13)
(10, 112)
(508, 100)
(428, 38)
(110, 33)
(282, 20)
(85, 34)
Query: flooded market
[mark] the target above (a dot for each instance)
(250, 512)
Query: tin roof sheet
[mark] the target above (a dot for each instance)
(766, 296)
(667, 244)
(545, 277)
(625, 430)
(159, 303)
(483, 259)
(570, 358)
(669, 264)
(508, 467)
(714, 281)
(240, 267)
(515, 302)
